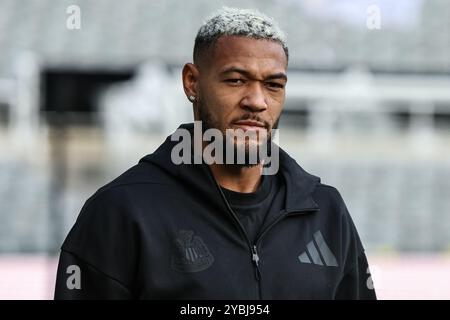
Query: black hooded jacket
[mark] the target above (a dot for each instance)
(166, 231)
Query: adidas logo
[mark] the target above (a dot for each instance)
(318, 252)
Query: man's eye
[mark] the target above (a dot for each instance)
(275, 85)
(235, 81)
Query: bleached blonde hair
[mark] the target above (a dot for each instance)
(238, 22)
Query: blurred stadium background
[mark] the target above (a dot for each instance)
(368, 110)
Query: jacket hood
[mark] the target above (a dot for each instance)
(299, 183)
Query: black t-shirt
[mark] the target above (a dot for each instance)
(257, 209)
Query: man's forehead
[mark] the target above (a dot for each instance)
(247, 53)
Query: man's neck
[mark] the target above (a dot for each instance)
(237, 178)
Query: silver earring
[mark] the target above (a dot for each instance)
(191, 98)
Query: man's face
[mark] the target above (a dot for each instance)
(242, 86)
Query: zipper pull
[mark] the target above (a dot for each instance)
(255, 256)
(255, 259)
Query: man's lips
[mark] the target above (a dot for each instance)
(249, 125)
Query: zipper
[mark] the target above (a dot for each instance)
(236, 219)
(254, 248)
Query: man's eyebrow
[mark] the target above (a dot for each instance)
(279, 75)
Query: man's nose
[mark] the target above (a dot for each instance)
(255, 99)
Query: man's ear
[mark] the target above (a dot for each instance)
(190, 77)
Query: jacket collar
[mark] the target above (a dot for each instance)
(299, 185)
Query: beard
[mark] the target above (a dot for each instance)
(250, 155)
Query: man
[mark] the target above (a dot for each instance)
(171, 229)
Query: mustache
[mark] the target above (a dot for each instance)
(253, 118)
